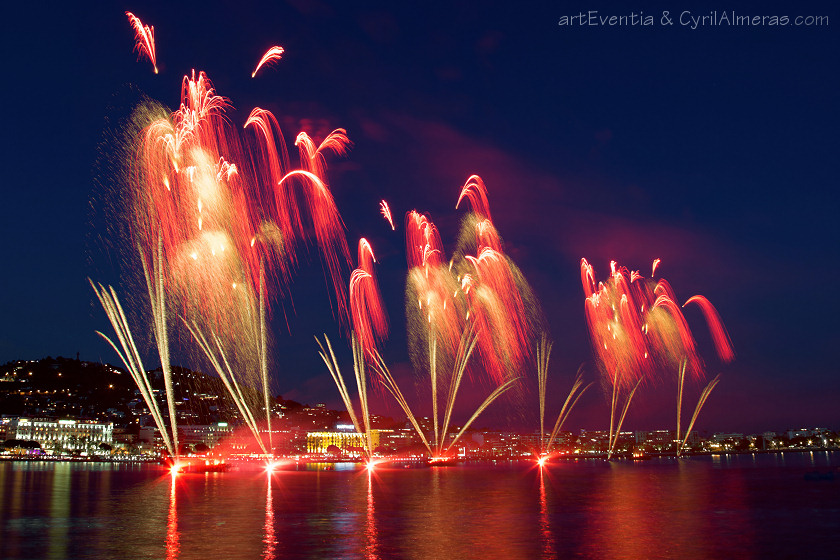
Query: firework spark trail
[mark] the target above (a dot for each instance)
(385, 210)
(497, 305)
(154, 275)
(700, 402)
(614, 434)
(432, 291)
(391, 385)
(465, 350)
(438, 446)
(723, 344)
(263, 359)
(500, 299)
(680, 386)
(228, 378)
(476, 191)
(271, 56)
(543, 355)
(366, 309)
(189, 195)
(472, 294)
(153, 272)
(635, 327)
(638, 331)
(312, 158)
(328, 356)
(653, 268)
(225, 212)
(305, 188)
(274, 159)
(223, 215)
(130, 357)
(422, 242)
(577, 390)
(480, 286)
(329, 229)
(144, 39)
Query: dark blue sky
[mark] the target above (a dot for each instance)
(714, 149)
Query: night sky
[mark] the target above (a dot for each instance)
(714, 149)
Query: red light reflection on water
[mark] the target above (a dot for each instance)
(270, 540)
(545, 528)
(173, 538)
(371, 544)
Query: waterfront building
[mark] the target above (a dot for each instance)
(349, 442)
(61, 434)
(207, 434)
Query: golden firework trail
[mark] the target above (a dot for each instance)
(130, 357)
(438, 447)
(328, 355)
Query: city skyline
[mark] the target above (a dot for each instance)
(710, 149)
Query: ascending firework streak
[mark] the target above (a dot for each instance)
(222, 366)
(439, 447)
(363, 426)
(145, 39)
(571, 400)
(543, 354)
(617, 422)
(700, 402)
(227, 376)
(129, 354)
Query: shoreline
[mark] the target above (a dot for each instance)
(531, 459)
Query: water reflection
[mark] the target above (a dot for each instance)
(270, 540)
(173, 538)
(59, 511)
(744, 506)
(547, 535)
(370, 531)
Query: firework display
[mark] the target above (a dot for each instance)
(637, 328)
(639, 332)
(220, 216)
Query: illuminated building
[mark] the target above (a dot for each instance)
(350, 442)
(64, 434)
(208, 434)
